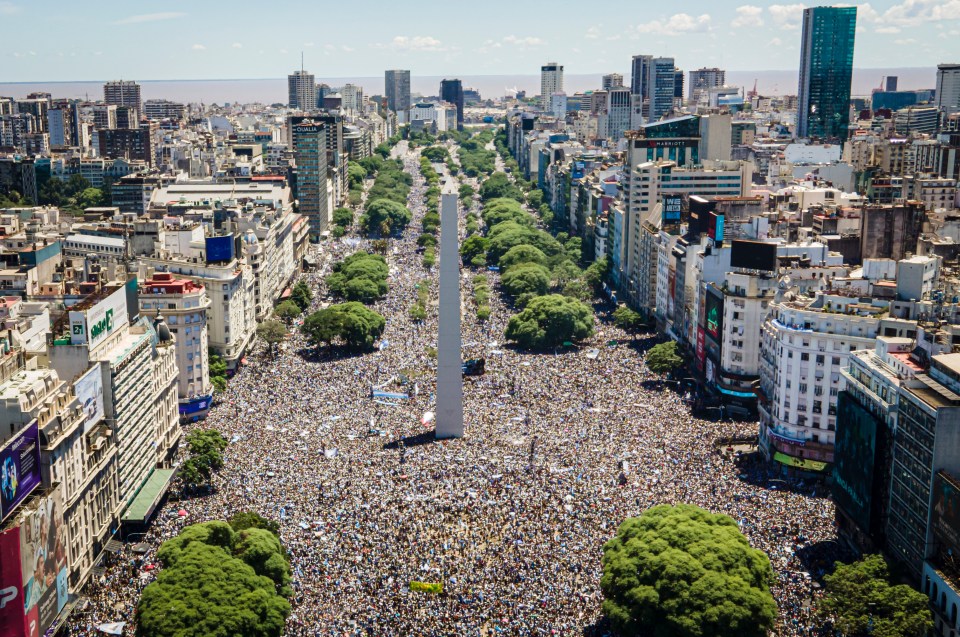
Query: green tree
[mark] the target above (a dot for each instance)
(350, 323)
(535, 198)
(427, 241)
(499, 185)
(663, 358)
(499, 210)
(343, 217)
(287, 311)
(272, 332)
(90, 198)
(205, 448)
(861, 601)
(523, 253)
(508, 234)
(550, 320)
(563, 273)
(526, 278)
(355, 176)
(384, 214)
(596, 274)
(243, 520)
(472, 247)
(627, 319)
(360, 277)
(466, 192)
(302, 295)
(217, 583)
(680, 571)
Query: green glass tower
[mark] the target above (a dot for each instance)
(826, 69)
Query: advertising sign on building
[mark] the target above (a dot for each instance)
(856, 455)
(714, 316)
(672, 207)
(93, 326)
(19, 468)
(43, 556)
(11, 592)
(946, 510)
(89, 391)
(701, 349)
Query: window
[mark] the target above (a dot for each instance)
(819, 359)
(804, 356)
(835, 360)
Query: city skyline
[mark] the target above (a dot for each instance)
(889, 33)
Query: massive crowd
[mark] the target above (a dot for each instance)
(559, 449)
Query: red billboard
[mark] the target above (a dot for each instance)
(11, 591)
(701, 349)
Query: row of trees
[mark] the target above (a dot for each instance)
(475, 159)
(360, 277)
(219, 579)
(386, 210)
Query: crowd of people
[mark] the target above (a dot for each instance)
(511, 519)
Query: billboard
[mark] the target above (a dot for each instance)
(672, 207)
(19, 468)
(701, 349)
(855, 454)
(11, 599)
(946, 510)
(219, 249)
(753, 255)
(715, 227)
(94, 325)
(713, 319)
(43, 559)
(89, 391)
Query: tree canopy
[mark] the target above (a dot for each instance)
(360, 277)
(385, 217)
(663, 358)
(472, 247)
(272, 332)
(217, 582)
(550, 320)
(499, 210)
(205, 448)
(680, 571)
(499, 185)
(627, 319)
(523, 253)
(526, 278)
(861, 601)
(508, 234)
(287, 310)
(353, 324)
(343, 217)
(302, 295)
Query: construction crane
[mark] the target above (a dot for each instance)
(753, 93)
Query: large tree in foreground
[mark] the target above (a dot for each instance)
(861, 601)
(351, 323)
(663, 358)
(550, 320)
(680, 571)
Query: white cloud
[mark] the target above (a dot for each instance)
(592, 33)
(348, 49)
(914, 12)
(775, 42)
(786, 16)
(308, 44)
(904, 41)
(527, 41)
(329, 47)
(417, 43)
(887, 30)
(237, 45)
(8, 8)
(676, 24)
(198, 47)
(748, 16)
(151, 17)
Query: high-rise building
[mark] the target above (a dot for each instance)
(127, 143)
(351, 96)
(639, 73)
(654, 79)
(948, 87)
(452, 91)
(163, 109)
(310, 148)
(892, 83)
(551, 81)
(397, 89)
(615, 117)
(677, 87)
(128, 117)
(105, 116)
(826, 69)
(612, 80)
(123, 93)
(704, 79)
(302, 90)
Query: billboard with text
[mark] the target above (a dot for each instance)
(19, 468)
(43, 558)
(89, 391)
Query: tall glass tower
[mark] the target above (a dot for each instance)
(826, 68)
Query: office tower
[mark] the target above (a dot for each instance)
(122, 93)
(677, 87)
(948, 87)
(704, 79)
(322, 91)
(163, 109)
(351, 98)
(551, 81)
(615, 119)
(397, 89)
(105, 116)
(126, 143)
(452, 91)
(612, 80)
(127, 117)
(826, 68)
(639, 72)
(310, 150)
(37, 108)
(60, 125)
(301, 90)
(654, 79)
(892, 83)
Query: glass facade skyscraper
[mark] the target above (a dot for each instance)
(826, 69)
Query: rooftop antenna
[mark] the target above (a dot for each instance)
(301, 63)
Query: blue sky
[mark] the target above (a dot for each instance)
(52, 40)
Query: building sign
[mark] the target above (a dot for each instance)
(11, 591)
(701, 349)
(19, 468)
(713, 320)
(89, 391)
(946, 510)
(671, 209)
(103, 319)
(856, 454)
(43, 558)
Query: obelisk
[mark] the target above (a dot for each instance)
(449, 363)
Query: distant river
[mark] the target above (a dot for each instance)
(274, 90)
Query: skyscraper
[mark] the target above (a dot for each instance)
(302, 90)
(639, 72)
(826, 68)
(678, 86)
(702, 80)
(123, 93)
(948, 87)
(310, 149)
(397, 90)
(654, 79)
(612, 80)
(452, 91)
(551, 81)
